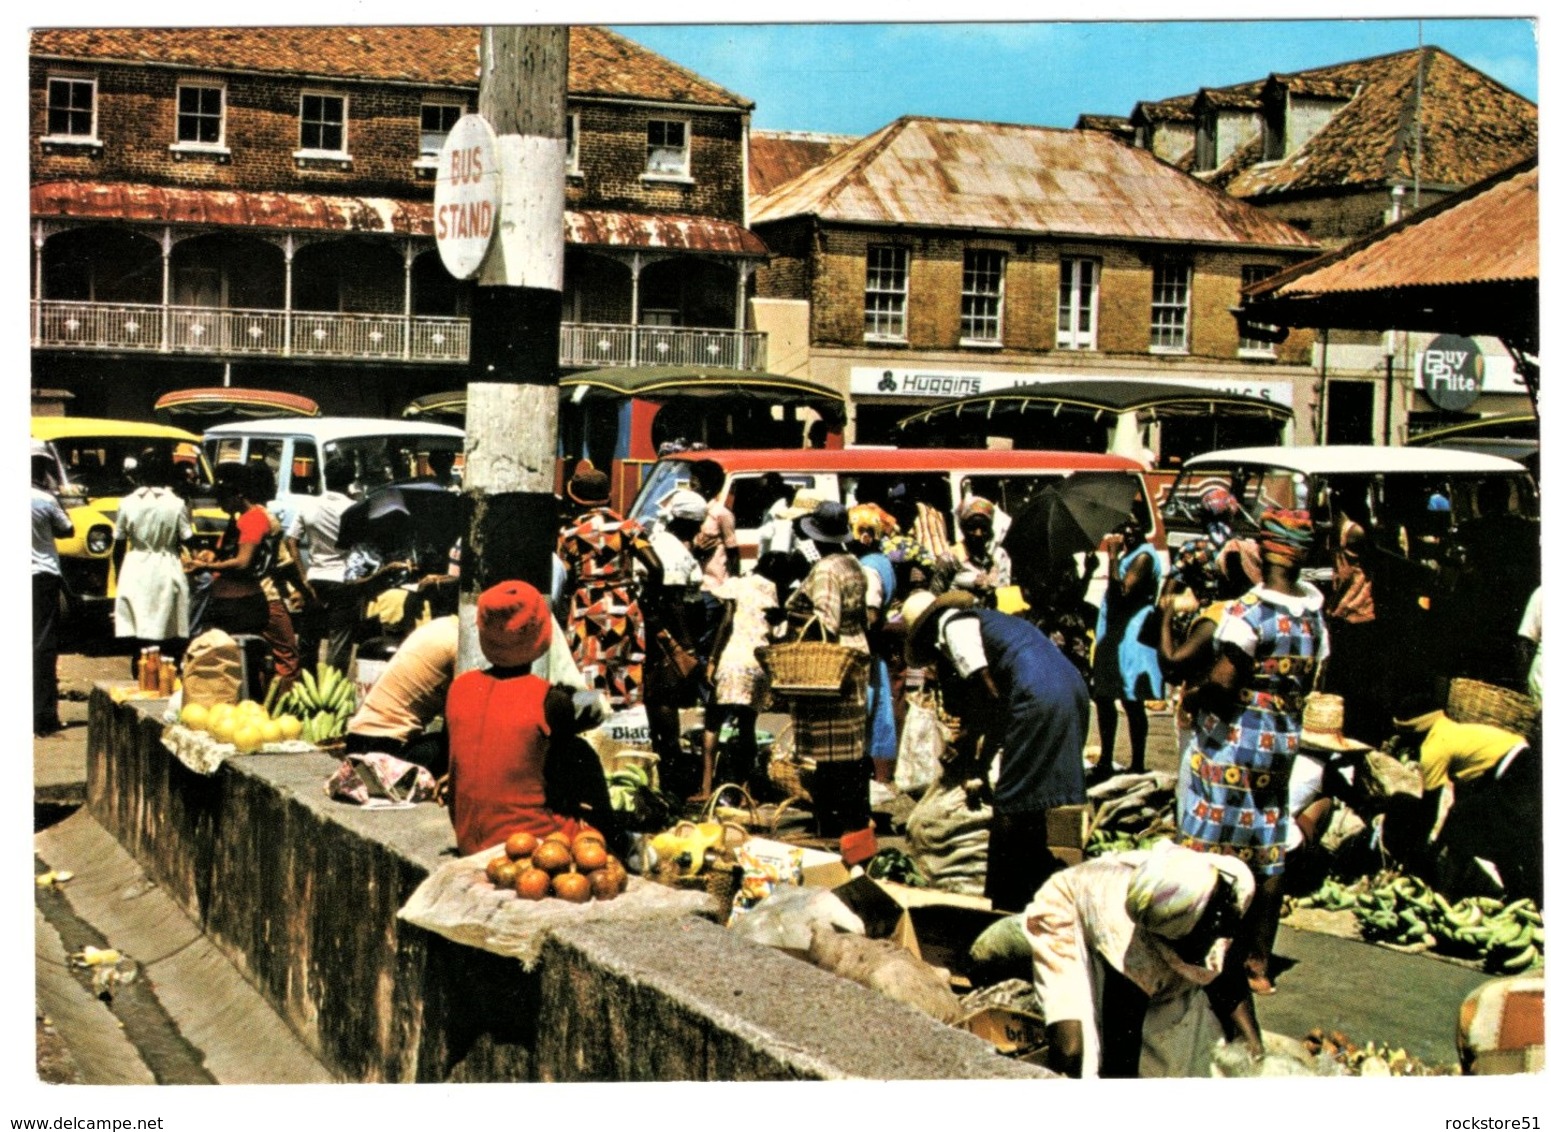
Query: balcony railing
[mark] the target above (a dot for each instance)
(220, 331)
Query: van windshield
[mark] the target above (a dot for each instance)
(378, 460)
(666, 477)
(103, 466)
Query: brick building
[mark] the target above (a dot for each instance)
(941, 258)
(252, 206)
(1338, 152)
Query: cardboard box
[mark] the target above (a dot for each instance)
(939, 927)
(1066, 832)
(818, 868)
(1013, 1032)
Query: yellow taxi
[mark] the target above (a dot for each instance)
(94, 461)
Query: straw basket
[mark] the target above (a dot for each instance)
(785, 771)
(1473, 701)
(804, 668)
(740, 807)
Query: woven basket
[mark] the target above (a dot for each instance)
(792, 777)
(721, 883)
(1473, 701)
(740, 810)
(810, 668)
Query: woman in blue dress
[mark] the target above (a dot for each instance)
(1124, 668)
(1248, 718)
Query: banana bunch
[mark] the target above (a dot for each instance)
(1102, 841)
(1505, 938)
(690, 845)
(624, 784)
(324, 704)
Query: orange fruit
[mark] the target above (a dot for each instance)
(573, 887)
(590, 855)
(605, 884)
(505, 874)
(561, 836)
(587, 833)
(533, 885)
(552, 857)
(492, 867)
(521, 844)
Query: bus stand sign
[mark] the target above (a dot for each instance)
(1452, 372)
(467, 204)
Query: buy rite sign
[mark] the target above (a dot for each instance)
(467, 203)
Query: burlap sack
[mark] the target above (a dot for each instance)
(212, 669)
(1382, 776)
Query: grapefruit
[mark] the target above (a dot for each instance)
(196, 717)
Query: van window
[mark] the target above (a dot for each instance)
(747, 504)
(667, 476)
(306, 475)
(226, 450)
(379, 460)
(269, 450)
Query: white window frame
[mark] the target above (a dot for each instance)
(217, 146)
(1071, 309)
(886, 294)
(69, 138)
(973, 292)
(1169, 322)
(1251, 273)
(303, 150)
(432, 156)
(663, 174)
(573, 144)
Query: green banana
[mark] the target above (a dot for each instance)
(1520, 961)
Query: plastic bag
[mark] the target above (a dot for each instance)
(922, 740)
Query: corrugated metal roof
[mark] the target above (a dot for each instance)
(602, 62)
(93, 200)
(938, 173)
(1488, 236)
(776, 157)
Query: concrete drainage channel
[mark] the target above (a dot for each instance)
(186, 1016)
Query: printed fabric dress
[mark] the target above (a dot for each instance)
(604, 624)
(1238, 767)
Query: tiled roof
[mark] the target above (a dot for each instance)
(602, 62)
(1487, 234)
(776, 156)
(1116, 124)
(1472, 126)
(939, 173)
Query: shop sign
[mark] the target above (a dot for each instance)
(1452, 372)
(467, 203)
(950, 384)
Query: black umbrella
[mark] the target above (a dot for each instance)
(1068, 518)
(398, 516)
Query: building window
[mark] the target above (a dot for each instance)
(436, 122)
(888, 292)
(1077, 308)
(980, 312)
(573, 130)
(667, 148)
(323, 123)
(72, 108)
(1249, 274)
(1171, 307)
(201, 114)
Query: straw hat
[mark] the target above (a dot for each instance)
(919, 612)
(806, 499)
(1324, 716)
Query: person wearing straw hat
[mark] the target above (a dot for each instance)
(514, 759)
(608, 562)
(1269, 647)
(832, 732)
(1021, 696)
(1324, 769)
(776, 534)
(1129, 962)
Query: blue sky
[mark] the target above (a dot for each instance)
(854, 78)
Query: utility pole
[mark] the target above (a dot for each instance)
(511, 429)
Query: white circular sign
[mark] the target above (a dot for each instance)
(467, 203)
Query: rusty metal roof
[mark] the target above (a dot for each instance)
(660, 230)
(156, 204)
(777, 156)
(602, 62)
(1484, 235)
(940, 173)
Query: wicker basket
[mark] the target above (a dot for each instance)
(1473, 701)
(803, 668)
(721, 882)
(740, 810)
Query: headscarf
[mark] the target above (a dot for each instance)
(869, 518)
(1173, 886)
(1285, 535)
(975, 506)
(1217, 502)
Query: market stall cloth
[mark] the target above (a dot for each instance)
(459, 903)
(203, 754)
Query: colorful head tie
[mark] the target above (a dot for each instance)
(1218, 503)
(1286, 534)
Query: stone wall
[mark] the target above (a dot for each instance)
(302, 893)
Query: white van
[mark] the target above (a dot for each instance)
(299, 449)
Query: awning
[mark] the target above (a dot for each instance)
(228, 402)
(236, 208)
(1150, 400)
(661, 383)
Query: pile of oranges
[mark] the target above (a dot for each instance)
(576, 869)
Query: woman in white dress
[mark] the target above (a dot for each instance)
(153, 595)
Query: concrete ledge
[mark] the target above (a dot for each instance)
(301, 894)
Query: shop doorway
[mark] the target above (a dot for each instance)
(1349, 412)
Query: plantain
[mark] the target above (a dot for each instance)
(1519, 961)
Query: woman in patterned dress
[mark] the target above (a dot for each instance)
(1248, 714)
(607, 558)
